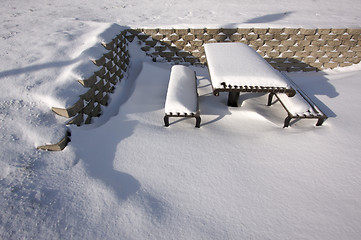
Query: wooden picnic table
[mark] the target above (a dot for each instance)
(236, 67)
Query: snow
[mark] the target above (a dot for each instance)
(237, 64)
(297, 105)
(126, 176)
(181, 93)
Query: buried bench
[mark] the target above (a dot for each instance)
(182, 96)
(299, 106)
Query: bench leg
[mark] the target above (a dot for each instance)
(166, 121)
(287, 121)
(198, 122)
(320, 121)
(270, 97)
(233, 99)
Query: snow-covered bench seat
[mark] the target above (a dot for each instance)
(182, 96)
(236, 67)
(299, 106)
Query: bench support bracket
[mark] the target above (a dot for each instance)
(166, 121)
(233, 99)
(270, 97)
(198, 121)
(287, 121)
(320, 121)
(197, 117)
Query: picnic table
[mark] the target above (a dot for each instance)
(236, 68)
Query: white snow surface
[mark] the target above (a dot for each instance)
(240, 176)
(296, 104)
(237, 64)
(182, 91)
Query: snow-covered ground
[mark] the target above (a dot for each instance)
(240, 176)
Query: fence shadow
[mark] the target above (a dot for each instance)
(269, 18)
(97, 149)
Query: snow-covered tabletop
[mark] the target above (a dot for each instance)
(238, 67)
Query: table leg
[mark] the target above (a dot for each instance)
(233, 99)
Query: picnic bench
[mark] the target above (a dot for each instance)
(236, 67)
(299, 106)
(182, 95)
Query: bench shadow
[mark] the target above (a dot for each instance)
(216, 106)
(316, 84)
(257, 102)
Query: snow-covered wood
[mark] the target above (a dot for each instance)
(182, 96)
(298, 106)
(237, 64)
(236, 67)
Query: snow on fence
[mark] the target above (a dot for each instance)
(286, 49)
(113, 66)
